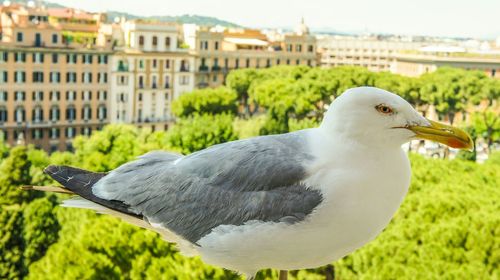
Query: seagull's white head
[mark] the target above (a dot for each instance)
(375, 117)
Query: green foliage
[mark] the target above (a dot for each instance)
(40, 228)
(447, 228)
(15, 172)
(198, 132)
(487, 125)
(11, 243)
(205, 101)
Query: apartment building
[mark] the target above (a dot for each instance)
(149, 70)
(429, 59)
(369, 52)
(53, 86)
(220, 50)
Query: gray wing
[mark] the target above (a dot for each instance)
(227, 184)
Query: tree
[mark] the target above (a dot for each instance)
(40, 228)
(11, 243)
(487, 125)
(206, 101)
(15, 172)
(240, 81)
(201, 131)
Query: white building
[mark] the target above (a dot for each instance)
(149, 71)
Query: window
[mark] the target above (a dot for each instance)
(38, 96)
(167, 81)
(288, 61)
(102, 78)
(20, 57)
(19, 114)
(4, 56)
(70, 114)
(3, 114)
(121, 80)
(37, 77)
(154, 81)
(3, 96)
(216, 45)
(141, 64)
(298, 48)
(87, 58)
(278, 61)
(139, 97)
(54, 38)
(37, 114)
(141, 41)
(155, 63)
(55, 96)
(310, 48)
(71, 95)
(37, 134)
(19, 36)
(86, 95)
(289, 47)
(71, 58)
(102, 113)
(184, 80)
(141, 81)
(297, 62)
(248, 62)
(167, 64)
(102, 95)
(86, 131)
(55, 58)
(86, 113)
(20, 95)
(102, 59)
(19, 77)
(54, 114)
(4, 76)
(38, 57)
(236, 63)
(54, 133)
(87, 77)
(184, 66)
(167, 42)
(155, 41)
(71, 77)
(70, 132)
(55, 77)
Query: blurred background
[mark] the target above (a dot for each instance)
(94, 84)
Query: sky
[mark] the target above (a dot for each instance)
(458, 18)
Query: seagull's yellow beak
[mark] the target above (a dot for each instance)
(445, 134)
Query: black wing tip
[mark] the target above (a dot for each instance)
(51, 169)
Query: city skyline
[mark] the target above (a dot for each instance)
(428, 18)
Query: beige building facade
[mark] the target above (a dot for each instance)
(51, 88)
(418, 63)
(371, 53)
(148, 72)
(219, 51)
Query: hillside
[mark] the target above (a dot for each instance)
(196, 19)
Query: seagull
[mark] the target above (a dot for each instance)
(290, 201)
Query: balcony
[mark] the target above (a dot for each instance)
(185, 69)
(203, 68)
(216, 68)
(122, 68)
(167, 85)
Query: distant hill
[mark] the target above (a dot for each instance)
(196, 19)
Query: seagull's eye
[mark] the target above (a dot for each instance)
(384, 109)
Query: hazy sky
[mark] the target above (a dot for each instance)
(478, 18)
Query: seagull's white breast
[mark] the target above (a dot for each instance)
(361, 192)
